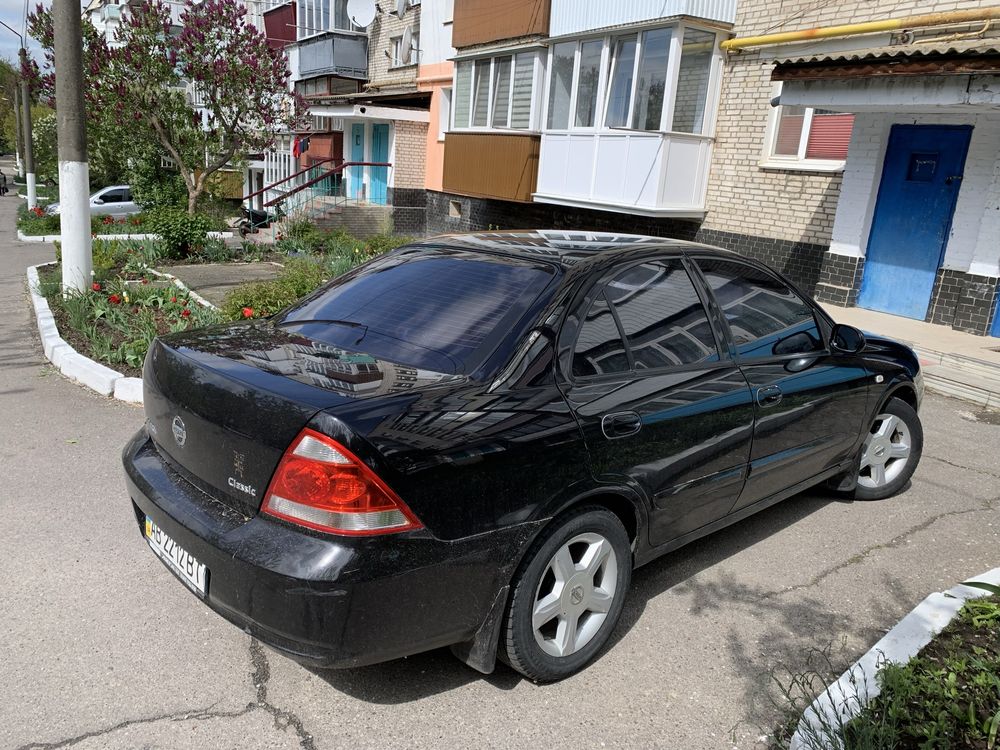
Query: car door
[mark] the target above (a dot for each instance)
(660, 408)
(128, 206)
(110, 200)
(809, 402)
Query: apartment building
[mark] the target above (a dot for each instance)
(808, 154)
(579, 113)
(875, 181)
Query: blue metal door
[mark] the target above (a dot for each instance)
(380, 175)
(357, 154)
(921, 178)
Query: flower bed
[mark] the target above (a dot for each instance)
(117, 318)
(946, 696)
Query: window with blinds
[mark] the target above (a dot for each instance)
(496, 93)
(803, 134)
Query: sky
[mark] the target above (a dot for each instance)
(12, 14)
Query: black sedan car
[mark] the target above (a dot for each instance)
(473, 440)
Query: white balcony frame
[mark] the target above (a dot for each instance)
(655, 192)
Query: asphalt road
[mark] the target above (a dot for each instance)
(103, 647)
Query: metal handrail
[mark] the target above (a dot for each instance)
(339, 168)
(289, 177)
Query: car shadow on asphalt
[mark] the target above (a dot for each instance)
(434, 672)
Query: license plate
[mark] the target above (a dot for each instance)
(193, 573)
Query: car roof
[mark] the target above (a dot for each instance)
(567, 248)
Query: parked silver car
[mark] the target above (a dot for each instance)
(115, 200)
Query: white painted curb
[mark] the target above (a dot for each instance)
(58, 237)
(71, 363)
(848, 696)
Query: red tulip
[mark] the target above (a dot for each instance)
(95, 286)
(114, 299)
(185, 313)
(247, 312)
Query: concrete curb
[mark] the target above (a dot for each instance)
(58, 237)
(71, 363)
(847, 697)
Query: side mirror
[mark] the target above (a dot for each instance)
(97, 202)
(847, 339)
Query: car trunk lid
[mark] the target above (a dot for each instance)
(223, 404)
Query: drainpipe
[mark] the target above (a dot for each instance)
(869, 27)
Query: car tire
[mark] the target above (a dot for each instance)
(580, 565)
(890, 453)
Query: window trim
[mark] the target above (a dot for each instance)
(723, 338)
(799, 162)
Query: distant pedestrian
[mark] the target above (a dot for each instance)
(3, 183)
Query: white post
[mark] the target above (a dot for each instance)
(74, 215)
(74, 174)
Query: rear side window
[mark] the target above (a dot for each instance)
(662, 317)
(112, 196)
(765, 316)
(436, 309)
(662, 323)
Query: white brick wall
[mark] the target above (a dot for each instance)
(800, 206)
(973, 243)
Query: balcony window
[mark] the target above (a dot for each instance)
(652, 80)
(629, 119)
(315, 16)
(495, 92)
(622, 76)
(561, 85)
(587, 86)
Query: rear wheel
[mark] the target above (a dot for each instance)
(891, 451)
(569, 595)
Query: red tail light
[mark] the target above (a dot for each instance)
(322, 485)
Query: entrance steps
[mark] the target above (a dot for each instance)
(360, 219)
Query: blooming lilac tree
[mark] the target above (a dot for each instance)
(208, 95)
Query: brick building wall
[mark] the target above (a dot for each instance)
(407, 195)
(383, 71)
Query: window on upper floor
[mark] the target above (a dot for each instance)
(807, 138)
(495, 92)
(630, 81)
(319, 16)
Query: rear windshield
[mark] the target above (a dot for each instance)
(432, 308)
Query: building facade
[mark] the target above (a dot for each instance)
(904, 219)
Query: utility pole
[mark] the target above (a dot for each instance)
(74, 172)
(17, 130)
(29, 159)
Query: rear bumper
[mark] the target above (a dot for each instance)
(324, 601)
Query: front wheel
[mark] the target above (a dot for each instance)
(568, 596)
(891, 451)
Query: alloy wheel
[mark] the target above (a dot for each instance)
(575, 594)
(885, 453)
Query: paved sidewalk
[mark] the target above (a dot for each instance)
(214, 281)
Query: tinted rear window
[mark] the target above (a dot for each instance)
(433, 308)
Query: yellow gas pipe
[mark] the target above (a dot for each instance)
(868, 27)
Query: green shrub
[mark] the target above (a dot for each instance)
(383, 243)
(36, 222)
(946, 696)
(298, 278)
(181, 232)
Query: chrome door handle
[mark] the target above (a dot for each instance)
(769, 395)
(620, 425)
